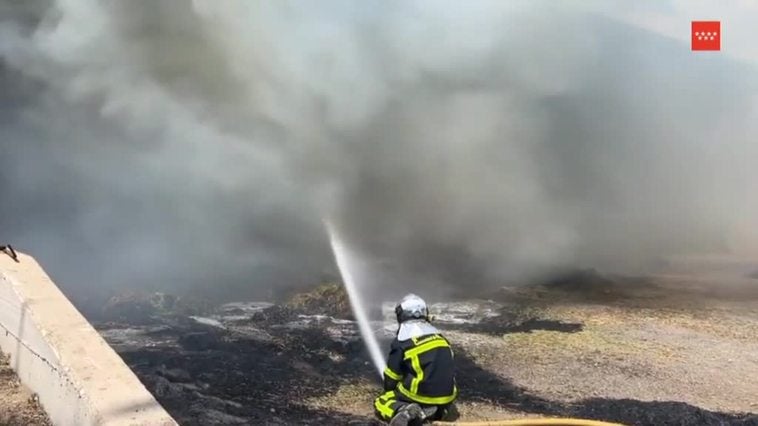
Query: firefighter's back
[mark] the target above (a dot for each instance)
(429, 360)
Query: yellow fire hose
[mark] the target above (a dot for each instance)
(532, 422)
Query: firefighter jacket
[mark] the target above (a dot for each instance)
(421, 368)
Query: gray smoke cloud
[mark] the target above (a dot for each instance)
(198, 145)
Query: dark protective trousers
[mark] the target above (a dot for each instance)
(389, 403)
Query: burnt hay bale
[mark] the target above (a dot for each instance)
(326, 299)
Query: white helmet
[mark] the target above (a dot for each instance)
(410, 308)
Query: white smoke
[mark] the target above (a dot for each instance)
(199, 143)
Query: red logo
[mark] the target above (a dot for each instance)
(706, 35)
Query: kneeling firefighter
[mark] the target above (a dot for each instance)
(419, 381)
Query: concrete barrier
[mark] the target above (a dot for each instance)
(79, 379)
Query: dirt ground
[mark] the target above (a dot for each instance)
(662, 350)
(18, 406)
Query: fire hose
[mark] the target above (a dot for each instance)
(532, 422)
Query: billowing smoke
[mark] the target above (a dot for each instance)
(198, 145)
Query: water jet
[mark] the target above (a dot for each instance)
(347, 264)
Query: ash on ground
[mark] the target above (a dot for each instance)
(524, 352)
(239, 363)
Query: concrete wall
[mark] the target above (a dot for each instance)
(56, 353)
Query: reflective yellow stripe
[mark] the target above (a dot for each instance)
(418, 350)
(391, 374)
(425, 345)
(384, 403)
(387, 396)
(430, 400)
(416, 363)
(428, 339)
(384, 409)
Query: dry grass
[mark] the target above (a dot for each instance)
(591, 341)
(713, 320)
(357, 398)
(482, 412)
(656, 344)
(18, 407)
(350, 398)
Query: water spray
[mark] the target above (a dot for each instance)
(346, 265)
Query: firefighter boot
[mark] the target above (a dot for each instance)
(407, 414)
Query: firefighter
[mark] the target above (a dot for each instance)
(419, 380)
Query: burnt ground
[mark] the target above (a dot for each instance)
(18, 406)
(667, 350)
